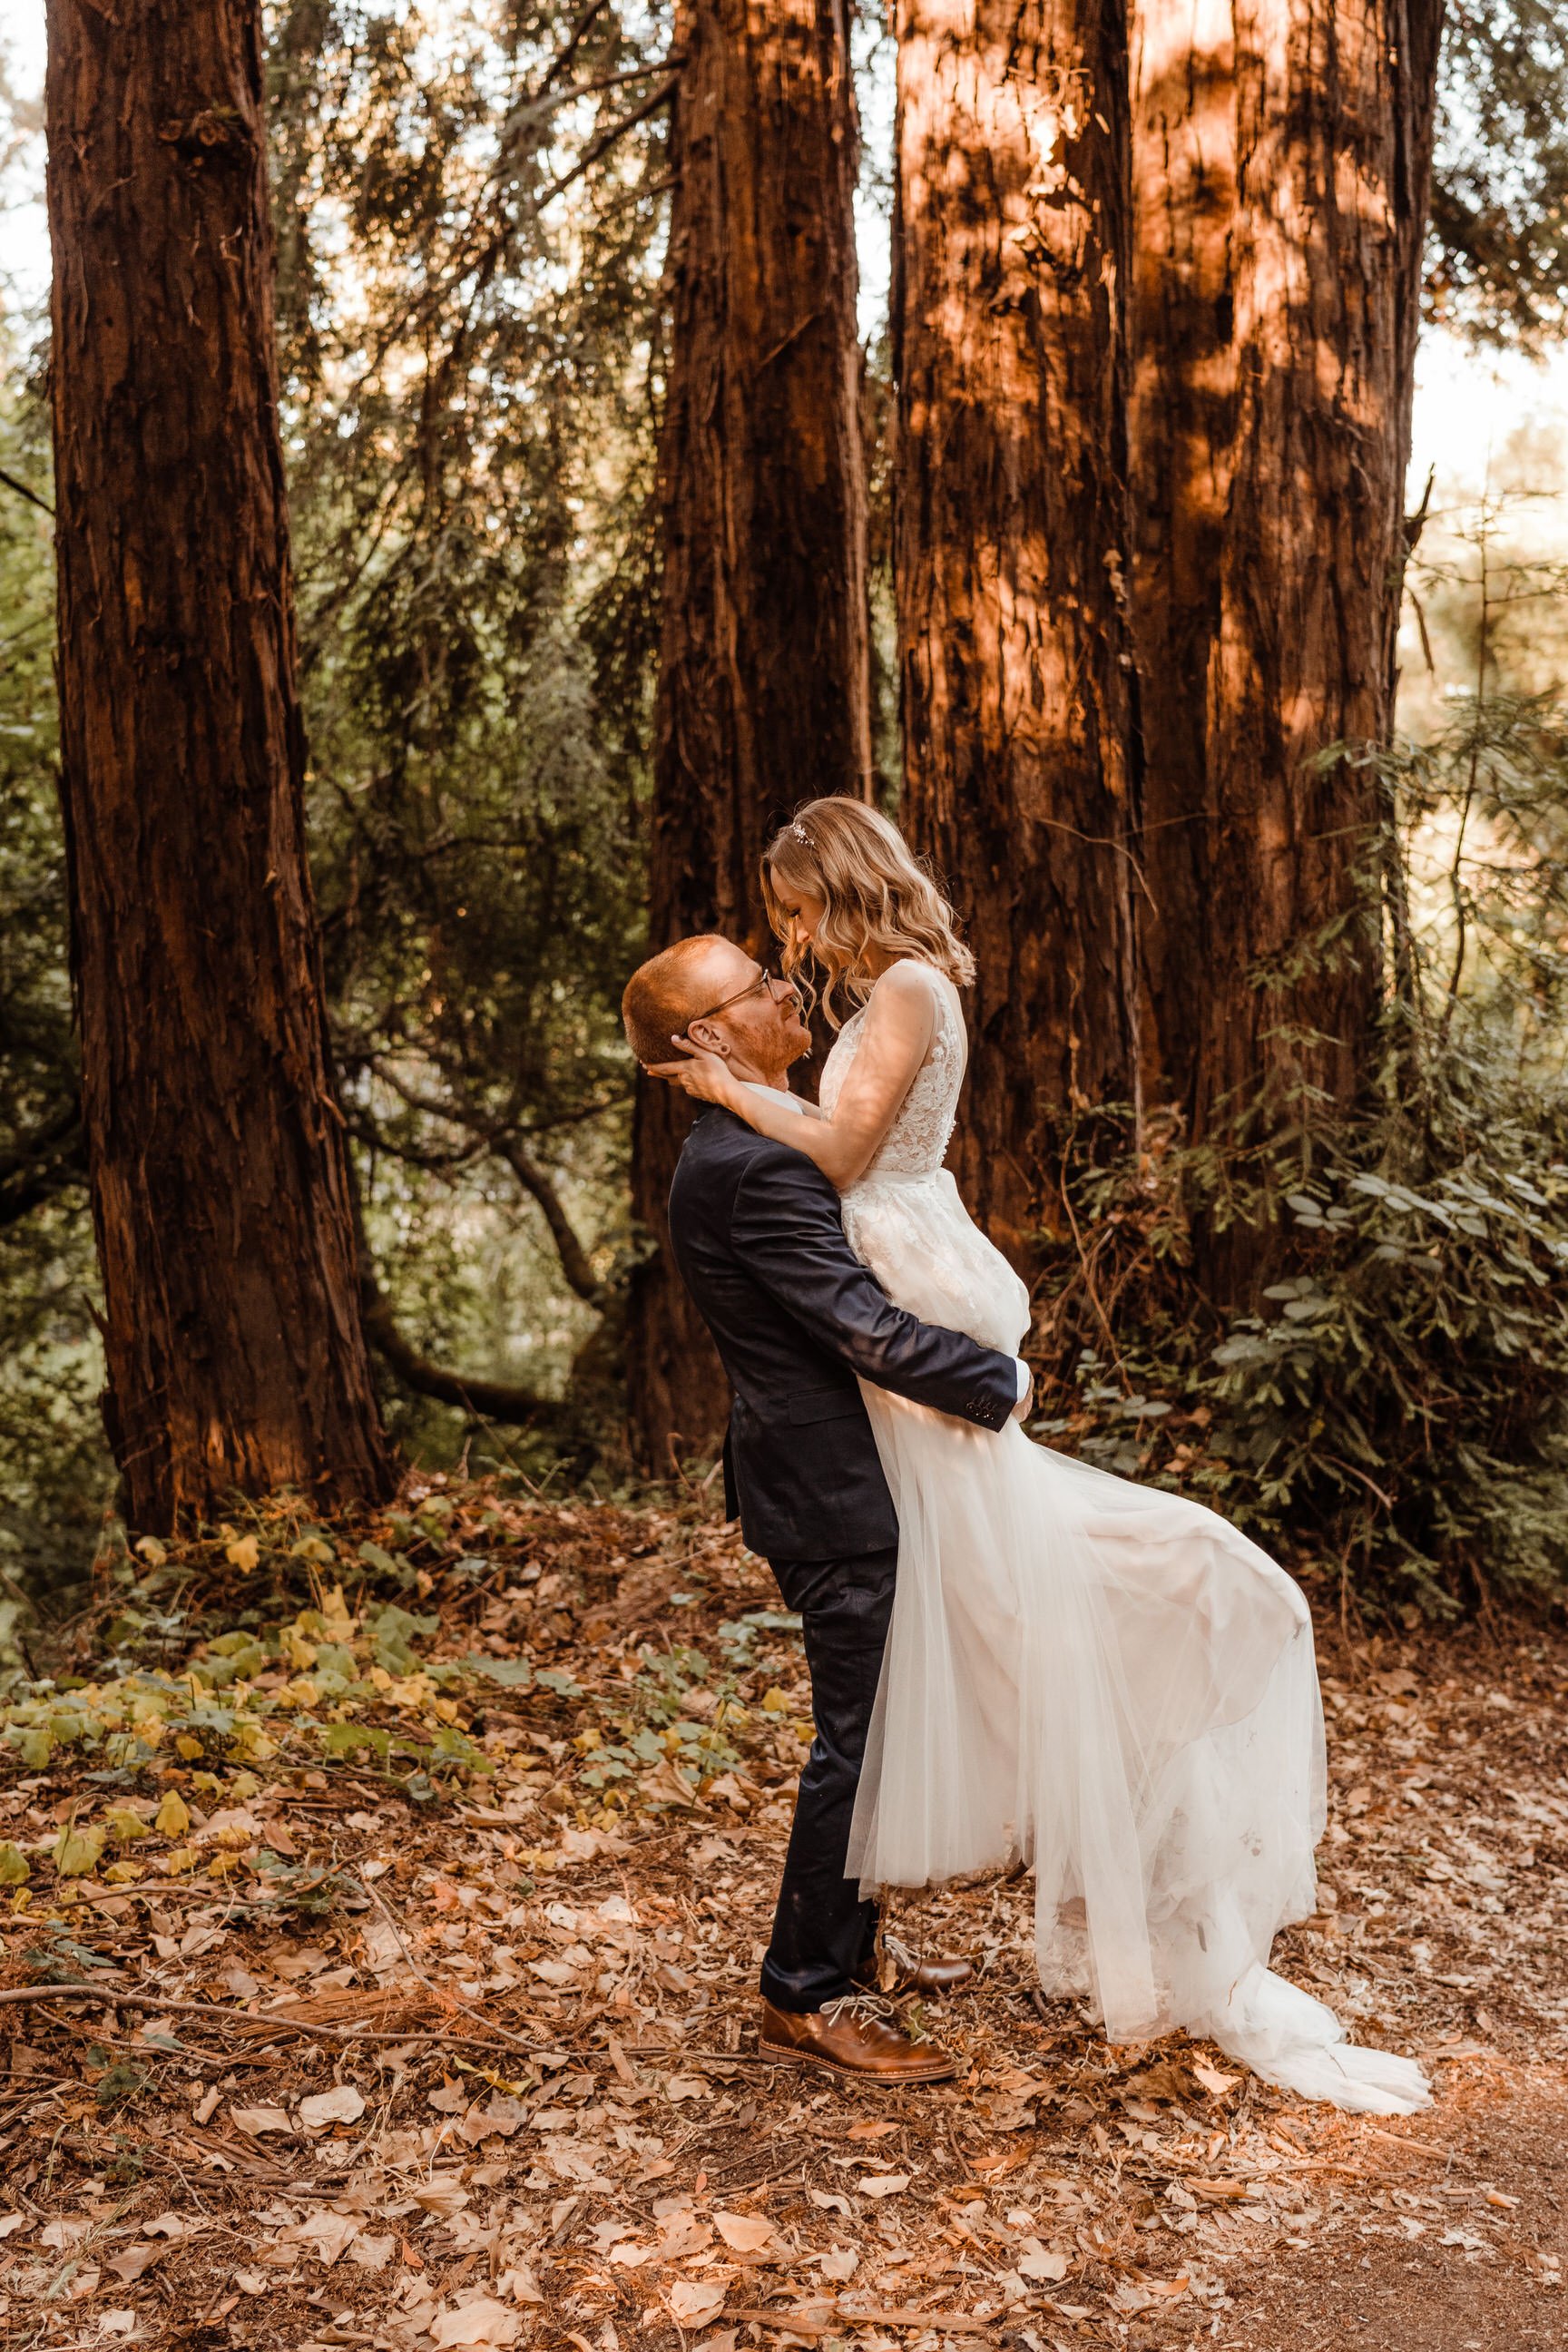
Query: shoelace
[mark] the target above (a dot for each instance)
(867, 2008)
(899, 1953)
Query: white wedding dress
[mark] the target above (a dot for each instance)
(1101, 1678)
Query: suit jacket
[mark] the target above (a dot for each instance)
(758, 1239)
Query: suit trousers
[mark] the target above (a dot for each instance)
(823, 1935)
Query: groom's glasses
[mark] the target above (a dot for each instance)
(774, 981)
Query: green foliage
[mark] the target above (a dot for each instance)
(54, 1465)
(467, 359)
(1395, 1411)
(1498, 265)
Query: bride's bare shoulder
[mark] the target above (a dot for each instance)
(910, 980)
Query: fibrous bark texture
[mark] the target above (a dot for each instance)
(220, 1185)
(764, 685)
(1021, 743)
(1281, 153)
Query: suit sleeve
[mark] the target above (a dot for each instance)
(787, 1225)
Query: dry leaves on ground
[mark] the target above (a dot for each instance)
(468, 2056)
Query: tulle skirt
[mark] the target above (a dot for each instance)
(1101, 1679)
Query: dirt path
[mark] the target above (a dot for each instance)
(1449, 2269)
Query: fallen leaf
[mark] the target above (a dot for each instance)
(327, 2235)
(694, 2302)
(254, 2121)
(75, 1852)
(840, 2262)
(132, 2261)
(747, 2232)
(443, 2194)
(519, 2284)
(173, 1817)
(883, 2184)
(373, 2253)
(605, 2234)
(380, 1946)
(501, 2114)
(483, 2322)
(1038, 2262)
(630, 2255)
(1213, 2080)
(682, 2234)
(1129, 2297)
(340, 2104)
(552, 1972)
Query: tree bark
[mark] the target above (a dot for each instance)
(1022, 752)
(236, 1357)
(764, 683)
(1281, 159)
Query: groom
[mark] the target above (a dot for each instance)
(759, 1240)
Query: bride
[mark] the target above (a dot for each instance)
(1104, 1679)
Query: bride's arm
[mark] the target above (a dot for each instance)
(894, 1043)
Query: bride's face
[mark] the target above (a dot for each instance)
(801, 914)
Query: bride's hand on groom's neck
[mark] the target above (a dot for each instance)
(706, 1076)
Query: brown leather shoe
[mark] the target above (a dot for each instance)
(853, 2037)
(911, 1974)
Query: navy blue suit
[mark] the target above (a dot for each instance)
(758, 1235)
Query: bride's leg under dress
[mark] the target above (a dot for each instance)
(1113, 1683)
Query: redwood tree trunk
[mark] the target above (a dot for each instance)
(1021, 740)
(235, 1356)
(1281, 161)
(764, 685)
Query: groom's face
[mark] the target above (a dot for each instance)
(757, 1026)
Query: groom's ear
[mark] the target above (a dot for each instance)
(711, 1039)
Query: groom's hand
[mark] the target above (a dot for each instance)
(1025, 1391)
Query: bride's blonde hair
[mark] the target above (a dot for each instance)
(876, 896)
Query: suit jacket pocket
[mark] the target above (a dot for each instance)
(824, 1404)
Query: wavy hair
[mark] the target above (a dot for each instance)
(877, 897)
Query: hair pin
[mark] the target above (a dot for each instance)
(801, 833)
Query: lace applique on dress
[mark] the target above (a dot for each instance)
(916, 1143)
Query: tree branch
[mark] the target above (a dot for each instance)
(42, 1164)
(24, 492)
(507, 1144)
(574, 1261)
(486, 1399)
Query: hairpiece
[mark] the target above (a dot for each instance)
(801, 833)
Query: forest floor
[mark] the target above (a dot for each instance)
(450, 1842)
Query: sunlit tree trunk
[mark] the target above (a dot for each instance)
(1281, 159)
(236, 1354)
(1021, 743)
(764, 685)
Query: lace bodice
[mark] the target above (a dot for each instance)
(917, 1142)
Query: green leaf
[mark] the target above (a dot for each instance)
(121, 2083)
(76, 1852)
(512, 1674)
